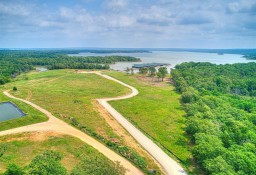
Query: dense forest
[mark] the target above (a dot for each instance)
(14, 62)
(220, 102)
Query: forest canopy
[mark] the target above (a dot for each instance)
(221, 115)
(14, 62)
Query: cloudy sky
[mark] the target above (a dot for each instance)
(128, 23)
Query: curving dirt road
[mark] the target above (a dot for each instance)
(56, 125)
(170, 166)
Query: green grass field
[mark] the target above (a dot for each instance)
(33, 116)
(157, 112)
(67, 94)
(22, 148)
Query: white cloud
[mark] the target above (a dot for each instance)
(116, 4)
(11, 9)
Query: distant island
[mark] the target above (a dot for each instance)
(250, 56)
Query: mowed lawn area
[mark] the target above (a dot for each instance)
(32, 115)
(67, 94)
(156, 110)
(20, 149)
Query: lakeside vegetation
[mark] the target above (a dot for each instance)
(49, 153)
(71, 97)
(15, 62)
(221, 115)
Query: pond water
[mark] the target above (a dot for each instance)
(9, 111)
(41, 69)
(172, 57)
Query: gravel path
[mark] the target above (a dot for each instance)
(56, 125)
(170, 166)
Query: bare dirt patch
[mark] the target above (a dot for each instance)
(153, 81)
(32, 136)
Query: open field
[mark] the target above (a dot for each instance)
(71, 97)
(156, 111)
(22, 148)
(33, 116)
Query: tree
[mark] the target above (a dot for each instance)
(14, 88)
(217, 166)
(132, 71)
(159, 75)
(207, 147)
(152, 71)
(96, 166)
(163, 71)
(127, 70)
(143, 70)
(46, 163)
(14, 169)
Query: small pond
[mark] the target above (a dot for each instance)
(9, 111)
(41, 69)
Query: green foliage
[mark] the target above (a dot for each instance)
(143, 70)
(14, 169)
(15, 62)
(219, 166)
(97, 166)
(152, 71)
(162, 72)
(3, 148)
(14, 88)
(220, 104)
(47, 163)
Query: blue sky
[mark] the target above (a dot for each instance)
(128, 23)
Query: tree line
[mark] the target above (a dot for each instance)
(15, 62)
(220, 106)
(151, 71)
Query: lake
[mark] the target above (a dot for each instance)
(172, 57)
(9, 111)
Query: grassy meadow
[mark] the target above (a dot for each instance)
(22, 148)
(69, 95)
(156, 110)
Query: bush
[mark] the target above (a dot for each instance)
(98, 166)
(46, 163)
(13, 169)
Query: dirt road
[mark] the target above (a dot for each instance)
(56, 125)
(170, 166)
